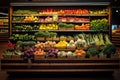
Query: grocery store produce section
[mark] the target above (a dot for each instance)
(60, 39)
(46, 31)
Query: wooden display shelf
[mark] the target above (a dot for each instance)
(61, 70)
(53, 65)
(60, 14)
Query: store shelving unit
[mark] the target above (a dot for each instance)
(4, 24)
(14, 63)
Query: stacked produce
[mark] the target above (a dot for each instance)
(30, 18)
(25, 43)
(47, 44)
(48, 27)
(29, 53)
(102, 11)
(18, 18)
(108, 49)
(91, 41)
(52, 52)
(62, 54)
(66, 54)
(22, 37)
(12, 50)
(65, 26)
(73, 19)
(25, 27)
(45, 34)
(25, 19)
(99, 24)
(24, 12)
(39, 52)
(82, 27)
(74, 11)
(61, 44)
(71, 45)
(80, 52)
(92, 52)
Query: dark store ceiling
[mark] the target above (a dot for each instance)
(6, 2)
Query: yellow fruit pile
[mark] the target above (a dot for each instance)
(61, 44)
(31, 18)
(48, 27)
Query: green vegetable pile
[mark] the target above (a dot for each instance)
(109, 49)
(22, 37)
(99, 24)
(45, 34)
(64, 25)
(25, 27)
(24, 12)
(92, 51)
(25, 43)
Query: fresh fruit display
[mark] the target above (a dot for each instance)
(99, 24)
(52, 52)
(76, 11)
(80, 52)
(24, 12)
(39, 52)
(47, 11)
(61, 44)
(30, 18)
(82, 27)
(82, 19)
(48, 27)
(25, 19)
(22, 37)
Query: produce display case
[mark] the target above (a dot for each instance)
(50, 38)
